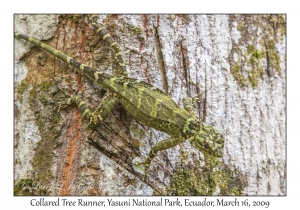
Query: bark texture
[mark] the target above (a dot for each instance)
(237, 62)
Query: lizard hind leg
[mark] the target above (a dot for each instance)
(81, 105)
(105, 107)
(109, 101)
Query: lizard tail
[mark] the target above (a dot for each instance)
(90, 72)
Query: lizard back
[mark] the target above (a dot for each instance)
(151, 106)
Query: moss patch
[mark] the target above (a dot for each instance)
(26, 187)
(187, 181)
(137, 30)
(273, 56)
(49, 129)
(254, 59)
(21, 88)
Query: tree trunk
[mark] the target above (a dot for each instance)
(235, 62)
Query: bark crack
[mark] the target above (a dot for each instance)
(160, 59)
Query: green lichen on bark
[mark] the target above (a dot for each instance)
(137, 30)
(237, 75)
(48, 131)
(255, 55)
(254, 59)
(49, 126)
(273, 56)
(259, 35)
(21, 88)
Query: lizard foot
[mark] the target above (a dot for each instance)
(139, 165)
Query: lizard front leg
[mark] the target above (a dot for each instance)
(188, 103)
(163, 145)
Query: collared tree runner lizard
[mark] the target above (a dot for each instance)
(145, 103)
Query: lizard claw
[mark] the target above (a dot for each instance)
(141, 167)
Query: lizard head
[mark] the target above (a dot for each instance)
(208, 140)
